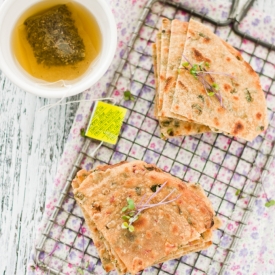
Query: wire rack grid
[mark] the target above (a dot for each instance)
(229, 169)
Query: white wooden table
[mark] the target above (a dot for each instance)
(31, 144)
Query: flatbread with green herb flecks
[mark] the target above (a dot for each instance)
(107, 258)
(132, 174)
(104, 254)
(239, 108)
(174, 127)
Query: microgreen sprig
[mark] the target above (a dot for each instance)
(133, 211)
(128, 96)
(198, 71)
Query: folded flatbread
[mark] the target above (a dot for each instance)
(239, 107)
(168, 50)
(162, 232)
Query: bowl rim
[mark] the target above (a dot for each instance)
(83, 85)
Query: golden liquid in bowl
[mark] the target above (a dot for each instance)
(88, 30)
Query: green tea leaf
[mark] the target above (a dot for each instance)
(270, 203)
(124, 209)
(128, 96)
(80, 271)
(82, 132)
(238, 192)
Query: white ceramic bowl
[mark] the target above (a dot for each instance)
(10, 12)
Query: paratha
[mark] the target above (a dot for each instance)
(241, 108)
(103, 194)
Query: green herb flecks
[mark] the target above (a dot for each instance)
(197, 108)
(82, 132)
(199, 71)
(162, 136)
(154, 187)
(270, 203)
(149, 168)
(128, 96)
(132, 211)
(138, 191)
(165, 123)
(260, 128)
(80, 271)
(201, 97)
(248, 96)
(176, 123)
(170, 132)
(238, 192)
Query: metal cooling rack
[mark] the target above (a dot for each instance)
(232, 186)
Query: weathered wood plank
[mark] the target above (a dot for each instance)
(31, 146)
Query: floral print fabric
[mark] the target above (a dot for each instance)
(221, 159)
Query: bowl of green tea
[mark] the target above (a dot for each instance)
(56, 48)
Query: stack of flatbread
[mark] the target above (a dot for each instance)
(161, 232)
(203, 84)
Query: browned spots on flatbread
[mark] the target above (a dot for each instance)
(165, 21)
(238, 128)
(177, 107)
(227, 87)
(168, 83)
(170, 247)
(199, 57)
(140, 223)
(188, 127)
(175, 229)
(162, 77)
(206, 40)
(249, 68)
(216, 121)
(221, 110)
(258, 116)
(137, 263)
(192, 33)
(181, 85)
(108, 268)
(166, 50)
(148, 235)
(239, 57)
(228, 59)
(181, 187)
(235, 98)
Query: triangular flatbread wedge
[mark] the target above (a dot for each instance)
(238, 108)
